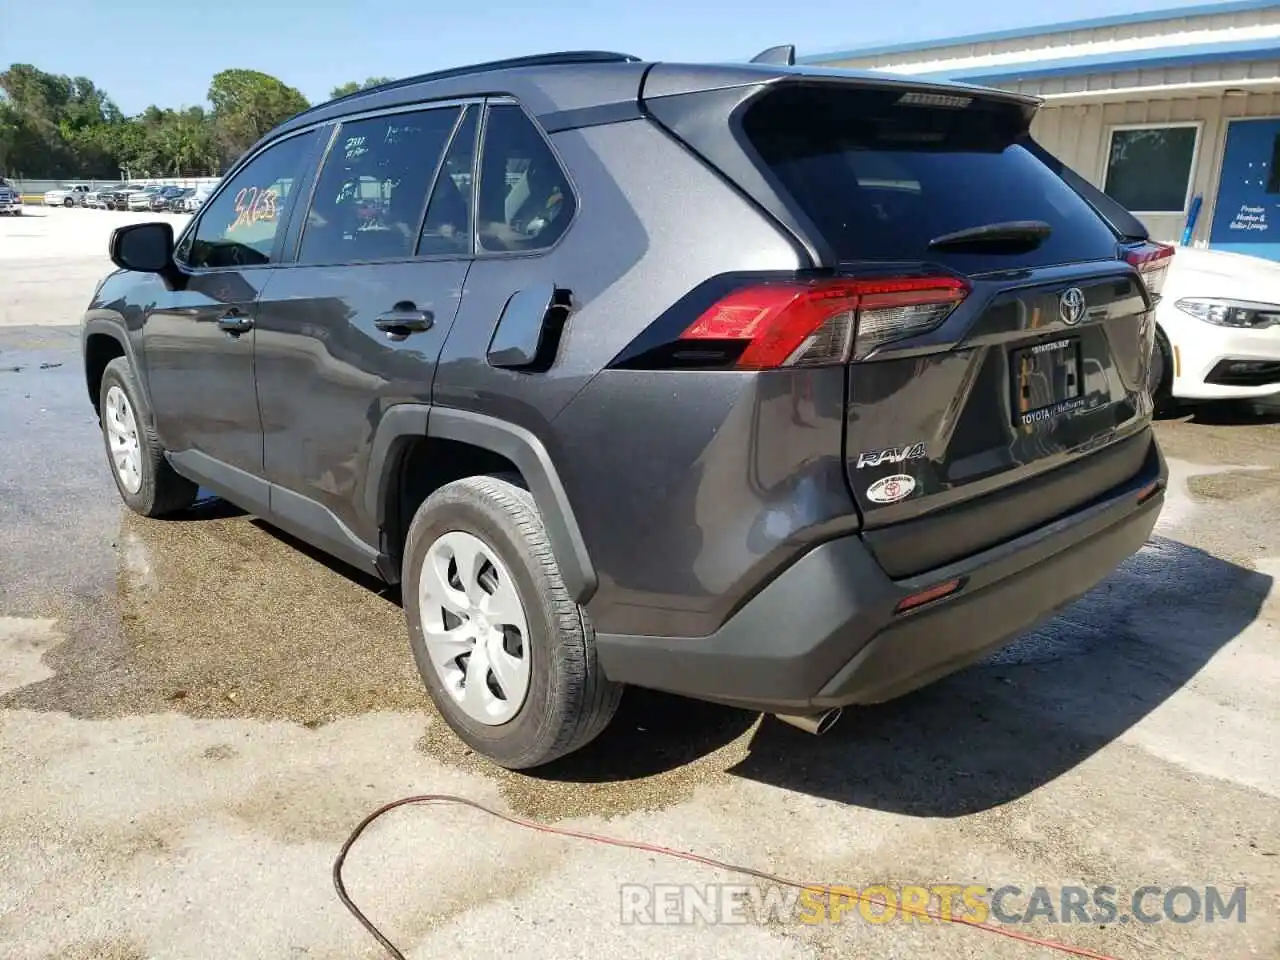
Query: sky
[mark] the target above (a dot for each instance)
(164, 52)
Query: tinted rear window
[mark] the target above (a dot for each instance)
(880, 178)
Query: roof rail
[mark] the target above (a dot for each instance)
(512, 63)
(782, 56)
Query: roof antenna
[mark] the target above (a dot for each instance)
(783, 56)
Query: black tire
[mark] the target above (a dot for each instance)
(68, 202)
(569, 701)
(162, 491)
(1160, 376)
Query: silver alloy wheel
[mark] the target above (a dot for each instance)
(475, 628)
(122, 436)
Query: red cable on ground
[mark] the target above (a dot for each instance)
(665, 852)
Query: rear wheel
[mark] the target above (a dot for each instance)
(506, 654)
(147, 484)
(68, 202)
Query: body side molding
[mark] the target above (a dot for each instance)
(291, 512)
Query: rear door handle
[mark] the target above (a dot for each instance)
(235, 323)
(404, 319)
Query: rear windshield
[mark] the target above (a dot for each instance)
(880, 177)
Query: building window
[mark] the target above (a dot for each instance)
(1149, 168)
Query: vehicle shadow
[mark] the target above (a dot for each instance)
(1036, 709)
(976, 740)
(652, 734)
(388, 592)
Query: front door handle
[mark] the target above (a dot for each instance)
(235, 323)
(403, 319)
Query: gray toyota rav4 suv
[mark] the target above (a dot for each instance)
(783, 388)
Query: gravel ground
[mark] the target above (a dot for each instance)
(193, 714)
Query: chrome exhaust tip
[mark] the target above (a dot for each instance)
(814, 723)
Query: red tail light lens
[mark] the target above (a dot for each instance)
(821, 322)
(1152, 261)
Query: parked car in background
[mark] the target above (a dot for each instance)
(141, 199)
(118, 199)
(71, 196)
(1218, 328)
(197, 198)
(95, 199)
(167, 197)
(791, 399)
(10, 198)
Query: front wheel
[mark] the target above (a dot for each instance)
(506, 654)
(1160, 374)
(147, 483)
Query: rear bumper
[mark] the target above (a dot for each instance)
(825, 632)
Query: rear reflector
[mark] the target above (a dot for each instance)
(1152, 261)
(819, 322)
(1148, 491)
(936, 592)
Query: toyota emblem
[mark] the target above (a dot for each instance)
(1071, 306)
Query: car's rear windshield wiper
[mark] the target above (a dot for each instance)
(1023, 234)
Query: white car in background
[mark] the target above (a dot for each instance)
(72, 196)
(1218, 328)
(194, 202)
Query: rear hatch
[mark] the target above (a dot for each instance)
(999, 328)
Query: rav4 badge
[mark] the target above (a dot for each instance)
(891, 489)
(873, 458)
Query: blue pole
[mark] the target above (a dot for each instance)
(1192, 215)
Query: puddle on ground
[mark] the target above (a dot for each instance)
(102, 949)
(1234, 485)
(215, 616)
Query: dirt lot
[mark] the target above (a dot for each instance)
(193, 714)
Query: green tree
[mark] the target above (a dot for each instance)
(59, 126)
(35, 103)
(247, 104)
(355, 86)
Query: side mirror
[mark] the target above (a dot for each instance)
(144, 247)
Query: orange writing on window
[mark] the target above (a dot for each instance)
(254, 205)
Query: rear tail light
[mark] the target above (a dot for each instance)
(936, 592)
(820, 322)
(1152, 261)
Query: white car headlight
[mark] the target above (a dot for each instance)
(1231, 313)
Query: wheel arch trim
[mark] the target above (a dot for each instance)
(115, 329)
(402, 423)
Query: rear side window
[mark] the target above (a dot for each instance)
(880, 178)
(371, 194)
(525, 202)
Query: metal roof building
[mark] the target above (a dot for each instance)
(1175, 113)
